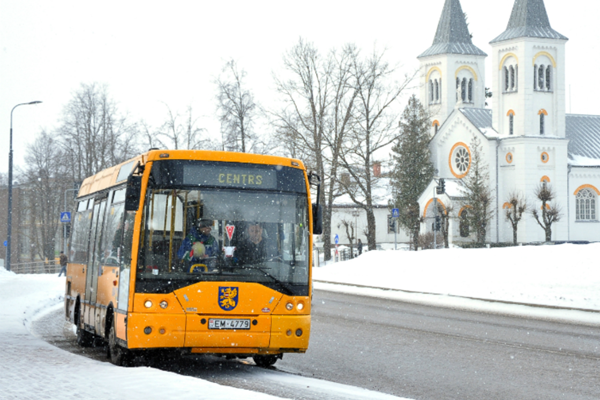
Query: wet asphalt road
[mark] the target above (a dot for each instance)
(408, 350)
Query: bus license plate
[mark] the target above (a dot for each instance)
(228, 324)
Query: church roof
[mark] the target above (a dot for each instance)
(529, 19)
(481, 118)
(583, 132)
(452, 35)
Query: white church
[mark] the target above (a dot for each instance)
(527, 137)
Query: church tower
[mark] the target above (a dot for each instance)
(528, 64)
(528, 84)
(452, 69)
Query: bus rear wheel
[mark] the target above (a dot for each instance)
(84, 338)
(265, 360)
(117, 354)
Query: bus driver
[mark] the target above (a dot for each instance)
(199, 246)
(254, 248)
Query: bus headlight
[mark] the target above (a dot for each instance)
(148, 304)
(300, 306)
(289, 306)
(163, 304)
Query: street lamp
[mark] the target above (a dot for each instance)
(10, 173)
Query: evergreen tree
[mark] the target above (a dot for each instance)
(477, 193)
(413, 169)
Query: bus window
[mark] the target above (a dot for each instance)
(264, 239)
(113, 232)
(80, 236)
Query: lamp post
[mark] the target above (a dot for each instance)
(10, 173)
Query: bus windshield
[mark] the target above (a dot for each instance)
(227, 233)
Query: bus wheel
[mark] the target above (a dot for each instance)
(84, 338)
(116, 352)
(265, 360)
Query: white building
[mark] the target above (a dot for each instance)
(526, 137)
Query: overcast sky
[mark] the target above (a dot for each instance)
(156, 53)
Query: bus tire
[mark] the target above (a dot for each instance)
(265, 360)
(84, 338)
(116, 353)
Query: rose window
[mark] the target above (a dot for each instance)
(460, 160)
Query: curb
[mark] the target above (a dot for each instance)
(462, 297)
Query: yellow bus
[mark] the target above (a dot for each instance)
(194, 252)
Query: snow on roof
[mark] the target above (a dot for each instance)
(583, 132)
(481, 118)
(581, 161)
(453, 188)
(381, 193)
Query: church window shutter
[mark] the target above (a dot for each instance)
(548, 77)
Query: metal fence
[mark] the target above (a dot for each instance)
(36, 267)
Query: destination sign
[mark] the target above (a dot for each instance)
(224, 175)
(177, 173)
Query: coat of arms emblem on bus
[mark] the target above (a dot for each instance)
(228, 297)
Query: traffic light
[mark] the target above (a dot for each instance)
(391, 224)
(67, 231)
(438, 223)
(441, 188)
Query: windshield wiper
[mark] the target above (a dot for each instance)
(282, 284)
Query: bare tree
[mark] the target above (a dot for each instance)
(350, 234)
(180, 132)
(477, 193)
(45, 179)
(373, 128)
(236, 110)
(550, 212)
(317, 102)
(93, 133)
(514, 213)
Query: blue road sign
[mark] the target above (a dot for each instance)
(395, 213)
(6, 243)
(65, 217)
(336, 239)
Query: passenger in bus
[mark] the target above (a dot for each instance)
(253, 249)
(199, 246)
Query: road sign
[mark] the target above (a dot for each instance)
(65, 217)
(336, 239)
(6, 243)
(395, 213)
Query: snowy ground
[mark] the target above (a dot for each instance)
(563, 279)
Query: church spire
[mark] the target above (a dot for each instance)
(452, 35)
(529, 19)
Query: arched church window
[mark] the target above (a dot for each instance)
(440, 89)
(542, 123)
(506, 79)
(541, 78)
(470, 90)
(430, 91)
(464, 224)
(463, 90)
(548, 77)
(437, 91)
(585, 205)
(535, 71)
(512, 78)
(516, 77)
(511, 124)
(457, 87)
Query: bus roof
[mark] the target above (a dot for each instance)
(119, 173)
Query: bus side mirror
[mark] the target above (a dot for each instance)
(132, 193)
(317, 212)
